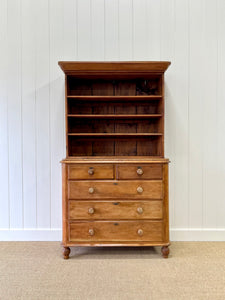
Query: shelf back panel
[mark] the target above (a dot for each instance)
(149, 146)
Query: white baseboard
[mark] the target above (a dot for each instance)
(28, 234)
(197, 234)
(55, 234)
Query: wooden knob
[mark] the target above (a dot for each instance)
(140, 210)
(91, 210)
(91, 190)
(140, 171)
(140, 189)
(91, 171)
(140, 232)
(91, 232)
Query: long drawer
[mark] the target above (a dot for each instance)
(116, 231)
(124, 209)
(135, 189)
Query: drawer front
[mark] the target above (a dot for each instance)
(115, 189)
(95, 171)
(150, 171)
(115, 210)
(116, 231)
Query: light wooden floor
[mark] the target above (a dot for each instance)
(36, 270)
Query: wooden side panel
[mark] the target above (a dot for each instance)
(124, 209)
(115, 189)
(64, 204)
(116, 231)
(166, 203)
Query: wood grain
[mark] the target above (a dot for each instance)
(122, 209)
(141, 66)
(116, 231)
(150, 171)
(91, 171)
(115, 189)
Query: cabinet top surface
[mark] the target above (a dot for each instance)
(77, 67)
(115, 159)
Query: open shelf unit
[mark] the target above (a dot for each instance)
(115, 113)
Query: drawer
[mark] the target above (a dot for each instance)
(116, 231)
(135, 189)
(115, 210)
(150, 171)
(92, 171)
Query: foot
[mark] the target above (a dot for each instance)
(66, 252)
(165, 251)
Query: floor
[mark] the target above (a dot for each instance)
(36, 270)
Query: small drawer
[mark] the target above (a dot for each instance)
(124, 209)
(92, 171)
(116, 231)
(145, 171)
(152, 189)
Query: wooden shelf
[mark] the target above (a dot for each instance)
(114, 134)
(114, 116)
(116, 98)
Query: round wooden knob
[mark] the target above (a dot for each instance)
(91, 232)
(140, 171)
(91, 210)
(91, 171)
(140, 210)
(140, 232)
(91, 190)
(140, 189)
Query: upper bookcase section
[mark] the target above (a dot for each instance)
(133, 68)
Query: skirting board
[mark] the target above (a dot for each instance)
(55, 234)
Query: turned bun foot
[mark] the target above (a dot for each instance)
(66, 252)
(165, 251)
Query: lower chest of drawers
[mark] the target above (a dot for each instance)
(115, 204)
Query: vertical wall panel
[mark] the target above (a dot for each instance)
(56, 109)
(43, 115)
(4, 172)
(83, 29)
(196, 104)
(210, 177)
(220, 116)
(126, 30)
(111, 36)
(139, 30)
(180, 113)
(70, 30)
(153, 29)
(28, 112)
(14, 81)
(97, 29)
(167, 53)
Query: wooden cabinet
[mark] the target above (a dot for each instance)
(115, 176)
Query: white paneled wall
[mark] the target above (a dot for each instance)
(35, 35)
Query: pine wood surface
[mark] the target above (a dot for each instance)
(116, 231)
(115, 176)
(115, 210)
(114, 189)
